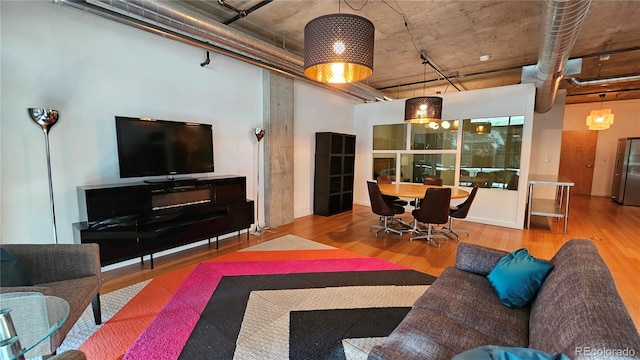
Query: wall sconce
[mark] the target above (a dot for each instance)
(338, 48)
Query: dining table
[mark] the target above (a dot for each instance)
(416, 191)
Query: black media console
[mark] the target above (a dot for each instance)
(133, 220)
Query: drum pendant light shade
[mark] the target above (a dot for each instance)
(338, 48)
(422, 110)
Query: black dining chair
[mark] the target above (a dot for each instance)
(427, 180)
(434, 210)
(387, 211)
(384, 179)
(460, 211)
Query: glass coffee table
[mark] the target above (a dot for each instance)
(27, 320)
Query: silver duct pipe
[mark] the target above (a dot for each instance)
(609, 81)
(168, 20)
(562, 20)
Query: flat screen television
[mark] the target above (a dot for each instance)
(150, 147)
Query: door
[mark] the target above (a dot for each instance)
(577, 156)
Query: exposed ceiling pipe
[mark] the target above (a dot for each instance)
(243, 13)
(615, 80)
(562, 20)
(166, 19)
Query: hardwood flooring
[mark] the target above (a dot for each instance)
(612, 228)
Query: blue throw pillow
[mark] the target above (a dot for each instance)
(12, 272)
(517, 278)
(492, 352)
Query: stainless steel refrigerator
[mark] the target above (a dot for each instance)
(626, 178)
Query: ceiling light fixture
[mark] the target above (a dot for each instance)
(450, 125)
(600, 119)
(338, 48)
(423, 109)
(483, 128)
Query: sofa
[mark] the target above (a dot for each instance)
(68, 271)
(577, 311)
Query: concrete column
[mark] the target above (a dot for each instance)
(278, 149)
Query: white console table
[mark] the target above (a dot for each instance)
(558, 207)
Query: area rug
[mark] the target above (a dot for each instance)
(287, 298)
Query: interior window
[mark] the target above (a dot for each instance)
(384, 164)
(390, 137)
(490, 155)
(414, 167)
(434, 136)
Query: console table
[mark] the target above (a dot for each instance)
(138, 219)
(558, 207)
(34, 318)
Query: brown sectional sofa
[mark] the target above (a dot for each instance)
(577, 311)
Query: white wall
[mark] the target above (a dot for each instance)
(546, 145)
(92, 69)
(315, 110)
(491, 206)
(626, 124)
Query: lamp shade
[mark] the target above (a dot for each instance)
(482, 128)
(338, 48)
(600, 119)
(424, 109)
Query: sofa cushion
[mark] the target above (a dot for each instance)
(468, 300)
(517, 278)
(477, 259)
(426, 335)
(492, 352)
(578, 309)
(12, 272)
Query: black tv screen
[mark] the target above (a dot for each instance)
(150, 147)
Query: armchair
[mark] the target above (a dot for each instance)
(68, 271)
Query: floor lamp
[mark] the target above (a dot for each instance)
(259, 132)
(46, 118)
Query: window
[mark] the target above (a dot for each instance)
(490, 155)
(489, 151)
(416, 166)
(431, 151)
(434, 137)
(389, 137)
(384, 164)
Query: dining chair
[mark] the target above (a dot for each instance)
(387, 211)
(384, 179)
(427, 180)
(460, 211)
(433, 211)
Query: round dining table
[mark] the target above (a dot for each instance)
(416, 191)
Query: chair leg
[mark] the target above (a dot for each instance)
(386, 228)
(97, 313)
(431, 239)
(449, 230)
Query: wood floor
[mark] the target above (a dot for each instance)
(613, 228)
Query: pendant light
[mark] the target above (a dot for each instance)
(338, 48)
(423, 109)
(600, 119)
